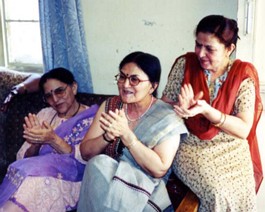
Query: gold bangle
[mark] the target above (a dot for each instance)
(130, 145)
(221, 122)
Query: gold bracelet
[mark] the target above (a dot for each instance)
(130, 145)
(221, 122)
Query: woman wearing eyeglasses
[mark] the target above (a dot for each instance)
(139, 135)
(50, 181)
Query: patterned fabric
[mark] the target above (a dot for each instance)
(49, 165)
(113, 149)
(219, 170)
(63, 39)
(214, 86)
(119, 184)
(9, 78)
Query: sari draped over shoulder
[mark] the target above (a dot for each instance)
(224, 102)
(49, 162)
(126, 184)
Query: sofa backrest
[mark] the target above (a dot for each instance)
(90, 99)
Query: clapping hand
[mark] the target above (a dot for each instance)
(37, 133)
(115, 124)
(189, 104)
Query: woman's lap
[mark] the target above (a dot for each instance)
(47, 194)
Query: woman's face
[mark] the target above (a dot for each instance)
(137, 93)
(59, 95)
(212, 54)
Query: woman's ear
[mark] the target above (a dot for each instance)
(230, 49)
(154, 87)
(74, 88)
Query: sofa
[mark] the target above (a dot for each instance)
(11, 133)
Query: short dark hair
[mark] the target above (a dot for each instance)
(60, 74)
(150, 65)
(225, 29)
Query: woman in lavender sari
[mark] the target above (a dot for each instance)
(49, 169)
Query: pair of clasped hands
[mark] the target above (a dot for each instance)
(36, 132)
(115, 125)
(189, 105)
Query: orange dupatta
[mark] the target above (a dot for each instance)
(201, 127)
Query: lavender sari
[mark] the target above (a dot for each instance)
(49, 162)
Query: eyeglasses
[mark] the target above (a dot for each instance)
(133, 80)
(58, 92)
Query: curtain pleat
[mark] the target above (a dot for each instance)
(63, 39)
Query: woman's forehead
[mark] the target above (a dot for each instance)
(52, 84)
(132, 69)
(207, 39)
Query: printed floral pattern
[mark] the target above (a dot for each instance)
(73, 137)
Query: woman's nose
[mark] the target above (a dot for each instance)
(54, 98)
(127, 82)
(201, 52)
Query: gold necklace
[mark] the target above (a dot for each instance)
(138, 118)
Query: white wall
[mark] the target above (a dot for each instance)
(164, 28)
(259, 41)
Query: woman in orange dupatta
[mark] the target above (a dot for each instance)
(220, 101)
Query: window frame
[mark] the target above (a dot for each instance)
(4, 54)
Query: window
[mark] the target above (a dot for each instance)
(251, 46)
(21, 49)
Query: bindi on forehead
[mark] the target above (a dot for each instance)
(128, 75)
(49, 89)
